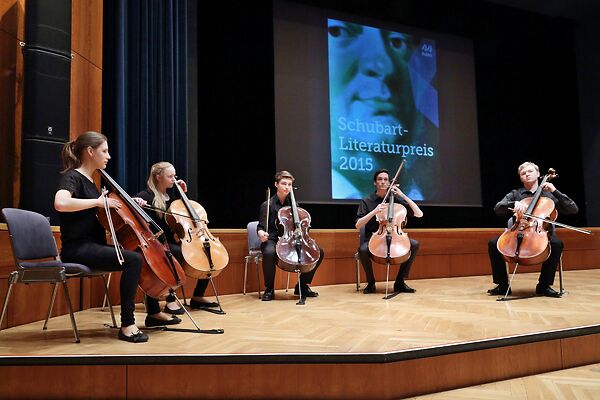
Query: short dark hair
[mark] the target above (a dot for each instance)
(379, 171)
(283, 174)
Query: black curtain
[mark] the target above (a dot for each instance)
(145, 87)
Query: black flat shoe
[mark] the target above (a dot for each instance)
(402, 287)
(200, 305)
(370, 288)
(178, 311)
(547, 291)
(306, 291)
(268, 295)
(138, 337)
(499, 290)
(151, 322)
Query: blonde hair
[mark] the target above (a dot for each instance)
(527, 163)
(156, 170)
(72, 152)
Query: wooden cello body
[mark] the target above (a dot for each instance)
(204, 255)
(161, 273)
(527, 242)
(390, 244)
(296, 250)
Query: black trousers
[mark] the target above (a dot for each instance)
(152, 304)
(365, 260)
(548, 267)
(104, 258)
(269, 263)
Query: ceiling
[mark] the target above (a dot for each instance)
(571, 9)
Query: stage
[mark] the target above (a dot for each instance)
(342, 344)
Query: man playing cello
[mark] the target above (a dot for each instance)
(365, 217)
(529, 174)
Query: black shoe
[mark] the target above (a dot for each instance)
(151, 322)
(370, 288)
(546, 291)
(402, 287)
(268, 295)
(499, 290)
(306, 291)
(201, 305)
(178, 311)
(138, 337)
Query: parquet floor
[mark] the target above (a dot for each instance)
(340, 320)
(582, 383)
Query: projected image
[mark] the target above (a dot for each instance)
(383, 108)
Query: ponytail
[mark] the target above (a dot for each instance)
(72, 152)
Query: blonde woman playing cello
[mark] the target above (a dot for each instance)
(365, 217)
(159, 195)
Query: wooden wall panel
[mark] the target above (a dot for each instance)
(86, 96)
(73, 382)
(12, 18)
(86, 30)
(580, 350)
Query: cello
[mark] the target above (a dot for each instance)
(390, 245)
(296, 250)
(526, 241)
(204, 255)
(161, 272)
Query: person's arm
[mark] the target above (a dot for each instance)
(416, 211)
(363, 215)
(502, 207)
(565, 205)
(64, 202)
(263, 235)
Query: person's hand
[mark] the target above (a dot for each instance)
(112, 203)
(263, 236)
(141, 202)
(549, 187)
(396, 191)
(520, 207)
(183, 185)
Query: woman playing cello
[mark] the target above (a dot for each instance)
(159, 195)
(365, 217)
(83, 237)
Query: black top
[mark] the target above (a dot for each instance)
(369, 204)
(562, 202)
(148, 195)
(275, 228)
(80, 226)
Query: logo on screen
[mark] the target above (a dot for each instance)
(427, 50)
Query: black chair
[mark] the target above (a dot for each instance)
(32, 240)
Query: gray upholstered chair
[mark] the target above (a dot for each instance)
(32, 240)
(254, 253)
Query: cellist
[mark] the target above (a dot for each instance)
(83, 238)
(529, 174)
(269, 237)
(368, 208)
(160, 194)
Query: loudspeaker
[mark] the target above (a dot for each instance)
(40, 173)
(48, 25)
(46, 97)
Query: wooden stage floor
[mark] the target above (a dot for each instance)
(341, 345)
(443, 312)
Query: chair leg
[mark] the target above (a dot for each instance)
(560, 276)
(287, 285)
(106, 294)
(245, 273)
(70, 308)
(50, 306)
(11, 279)
(357, 274)
(257, 276)
(107, 297)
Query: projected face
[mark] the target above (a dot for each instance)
(371, 76)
